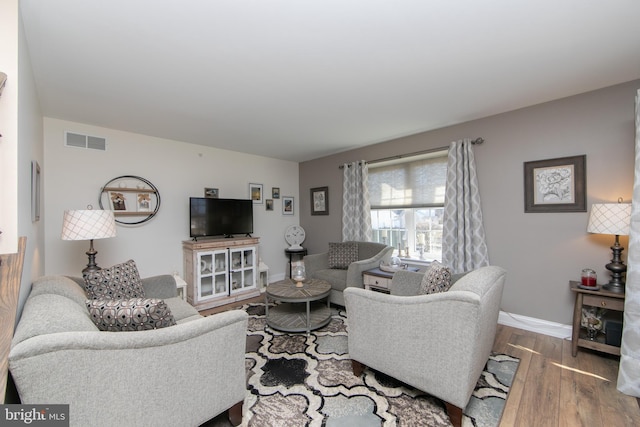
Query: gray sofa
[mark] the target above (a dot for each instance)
(179, 375)
(438, 343)
(369, 256)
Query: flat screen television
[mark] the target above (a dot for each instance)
(220, 217)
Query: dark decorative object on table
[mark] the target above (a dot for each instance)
(612, 218)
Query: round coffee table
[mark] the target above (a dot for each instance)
(299, 310)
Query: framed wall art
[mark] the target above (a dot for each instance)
(556, 185)
(133, 199)
(320, 201)
(287, 205)
(275, 192)
(212, 193)
(35, 191)
(255, 193)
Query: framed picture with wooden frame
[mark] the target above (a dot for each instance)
(556, 185)
(320, 201)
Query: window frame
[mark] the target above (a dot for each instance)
(410, 229)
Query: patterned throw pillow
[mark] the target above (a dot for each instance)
(136, 314)
(436, 279)
(342, 254)
(117, 282)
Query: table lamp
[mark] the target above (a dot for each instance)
(88, 224)
(612, 218)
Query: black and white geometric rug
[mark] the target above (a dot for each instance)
(295, 380)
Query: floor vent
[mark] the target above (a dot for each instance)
(85, 141)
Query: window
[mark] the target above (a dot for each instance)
(407, 204)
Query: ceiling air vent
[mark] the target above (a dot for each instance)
(84, 141)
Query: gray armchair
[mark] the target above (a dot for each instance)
(437, 343)
(369, 256)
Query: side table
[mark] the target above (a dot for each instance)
(600, 298)
(379, 280)
(300, 253)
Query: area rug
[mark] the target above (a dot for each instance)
(297, 380)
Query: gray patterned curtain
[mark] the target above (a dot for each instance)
(356, 210)
(629, 370)
(463, 240)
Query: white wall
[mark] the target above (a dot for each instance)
(9, 19)
(179, 170)
(30, 148)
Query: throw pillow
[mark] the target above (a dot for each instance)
(117, 282)
(342, 254)
(136, 314)
(436, 279)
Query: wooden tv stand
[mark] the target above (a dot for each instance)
(220, 271)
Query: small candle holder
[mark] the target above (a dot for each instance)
(298, 275)
(588, 278)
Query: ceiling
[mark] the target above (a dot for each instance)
(298, 80)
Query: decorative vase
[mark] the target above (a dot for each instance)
(298, 275)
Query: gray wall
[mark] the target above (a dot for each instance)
(541, 251)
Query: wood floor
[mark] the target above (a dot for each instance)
(553, 388)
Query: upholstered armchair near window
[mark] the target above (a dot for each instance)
(343, 264)
(438, 343)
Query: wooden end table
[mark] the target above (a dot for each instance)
(379, 280)
(600, 298)
(297, 313)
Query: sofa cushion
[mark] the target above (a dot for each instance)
(134, 314)
(436, 279)
(118, 282)
(342, 254)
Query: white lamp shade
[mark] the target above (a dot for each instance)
(88, 224)
(610, 218)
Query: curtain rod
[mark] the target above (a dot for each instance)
(476, 141)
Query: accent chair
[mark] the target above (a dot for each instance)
(438, 343)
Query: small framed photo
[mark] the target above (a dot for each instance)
(556, 185)
(118, 201)
(320, 201)
(211, 193)
(35, 191)
(275, 192)
(255, 192)
(287, 205)
(143, 202)
(268, 204)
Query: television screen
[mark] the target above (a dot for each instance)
(220, 217)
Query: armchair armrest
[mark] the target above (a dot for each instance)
(406, 283)
(162, 286)
(315, 262)
(355, 270)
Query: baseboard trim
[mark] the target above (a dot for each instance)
(532, 324)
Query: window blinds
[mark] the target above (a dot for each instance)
(413, 183)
